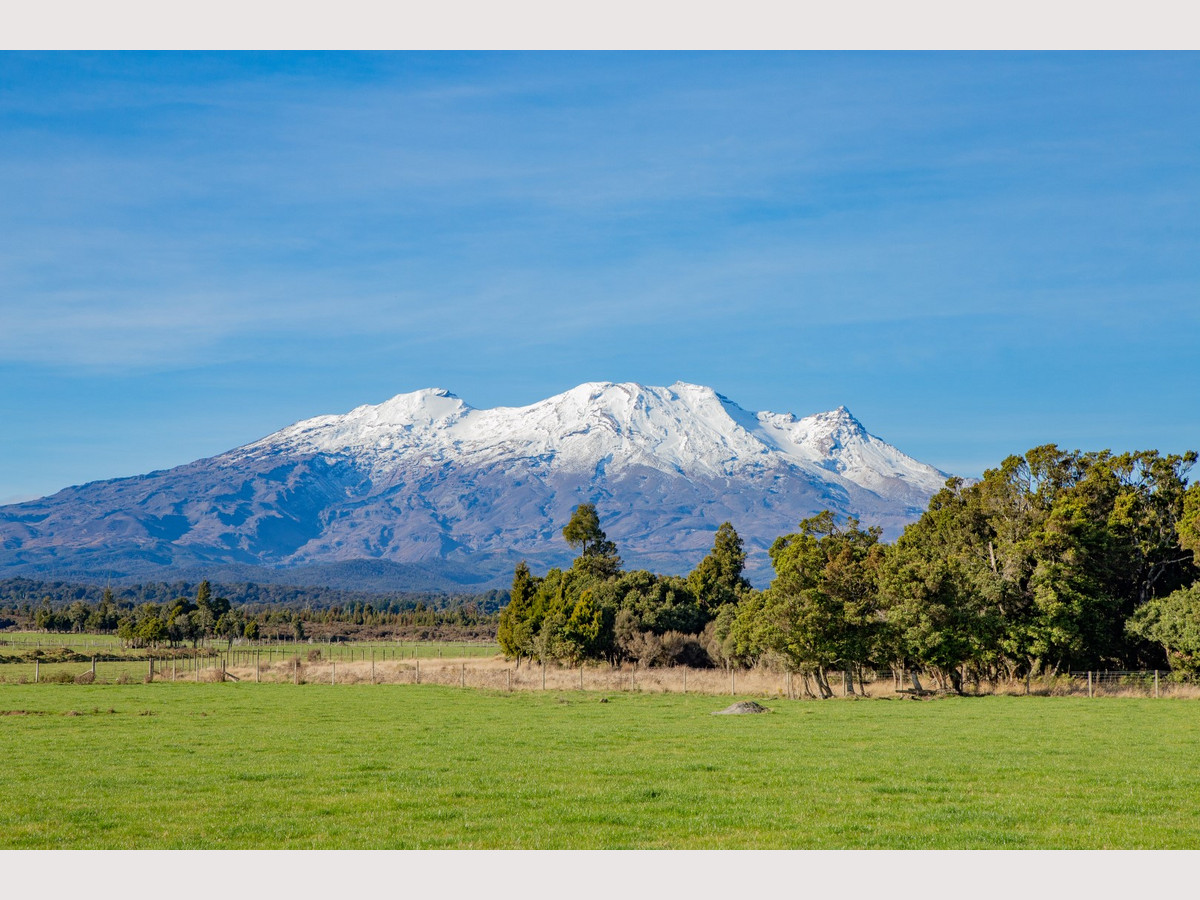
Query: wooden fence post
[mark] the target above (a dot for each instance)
(418, 667)
(543, 674)
(1156, 684)
(1089, 684)
(372, 667)
(581, 676)
(507, 680)
(37, 670)
(332, 672)
(685, 680)
(150, 670)
(462, 676)
(257, 658)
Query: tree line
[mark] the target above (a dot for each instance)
(21, 596)
(207, 616)
(1054, 561)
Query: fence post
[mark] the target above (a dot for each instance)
(732, 680)
(507, 680)
(257, 657)
(37, 670)
(462, 676)
(685, 680)
(93, 668)
(332, 672)
(150, 670)
(543, 674)
(418, 667)
(372, 667)
(1156, 684)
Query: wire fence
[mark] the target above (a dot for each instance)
(392, 665)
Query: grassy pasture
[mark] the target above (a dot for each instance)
(391, 766)
(18, 642)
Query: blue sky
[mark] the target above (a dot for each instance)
(977, 253)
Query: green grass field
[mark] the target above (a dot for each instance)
(280, 766)
(15, 643)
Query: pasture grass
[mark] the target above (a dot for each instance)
(223, 766)
(15, 643)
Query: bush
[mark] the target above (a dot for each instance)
(685, 650)
(674, 648)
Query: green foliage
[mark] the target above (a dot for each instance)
(717, 581)
(518, 624)
(595, 611)
(822, 608)
(1173, 622)
(598, 555)
(1039, 565)
(1188, 526)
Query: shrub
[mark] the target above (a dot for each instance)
(680, 649)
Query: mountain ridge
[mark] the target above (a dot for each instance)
(425, 479)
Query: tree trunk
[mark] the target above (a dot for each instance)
(822, 683)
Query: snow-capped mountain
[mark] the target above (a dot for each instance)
(426, 480)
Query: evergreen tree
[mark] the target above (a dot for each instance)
(718, 580)
(518, 625)
(597, 554)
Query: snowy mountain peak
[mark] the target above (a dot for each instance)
(686, 428)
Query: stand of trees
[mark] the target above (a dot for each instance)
(593, 610)
(1054, 561)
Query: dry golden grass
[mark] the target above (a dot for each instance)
(500, 674)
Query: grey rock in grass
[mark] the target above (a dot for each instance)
(741, 708)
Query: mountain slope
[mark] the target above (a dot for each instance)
(424, 480)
